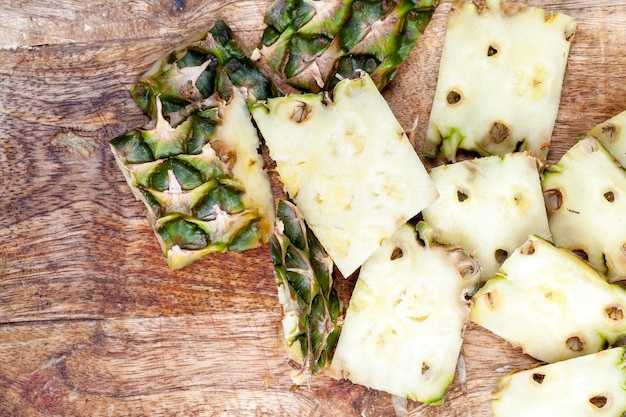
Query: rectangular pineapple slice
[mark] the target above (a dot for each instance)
(403, 328)
(348, 166)
(612, 134)
(202, 180)
(587, 386)
(489, 206)
(311, 44)
(551, 303)
(310, 304)
(585, 194)
(500, 80)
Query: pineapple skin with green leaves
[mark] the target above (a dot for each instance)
(500, 80)
(354, 175)
(489, 206)
(312, 44)
(311, 308)
(402, 333)
(585, 211)
(209, 61)
(551, 304)
(202, 181)
(586, 386)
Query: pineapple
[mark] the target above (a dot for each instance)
(587, 386)
(612, 135)
(202, 180)
(586, 212)
(312, 44)
(208, 61)
(551, 303)
(310, 304)
(403, 328)
(500, 80)
(489, 206)
(348, 166)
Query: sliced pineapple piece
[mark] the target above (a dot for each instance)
(403, 328)
(489, 206)
(311, 44)
(348, 166)
(202, 181)
(586, 199)
(309, 301)
(612, 134)
(209, 61)
(587, 386)
(500, 79)
(551, 303)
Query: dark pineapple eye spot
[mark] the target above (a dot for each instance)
(615, 313)
(581, 254)
(609, 196)
(554, 199)
(396, 254)
(425, 368)
(538, 378)
(453, 97)
(501, 255)
(599, 401)
(499, 132)
(491, 51)
(461, 196)
(575, 343)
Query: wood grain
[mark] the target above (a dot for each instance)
(92, 322)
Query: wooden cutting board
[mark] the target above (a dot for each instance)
(92, 322)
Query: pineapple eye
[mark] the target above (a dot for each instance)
(609, 133)
(461, 196)
(528, 248)
(538, 378)
(581, 254)
(554, 199)
(501, 255)
(499, 132)
(301, 112)
(491, 51)
(453, 97)
(425, 368)
(599, 401)
(609, 196)
(575, 343)
(615, 313)
(396, 254)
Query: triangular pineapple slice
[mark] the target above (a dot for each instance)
(587, 386)
(586, 199)
(612, 134)
(489, 206)
(348, 166)
(202, 181)
(551, 303)
(500, 79)
(403, 328)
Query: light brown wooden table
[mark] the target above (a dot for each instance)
(92, 322)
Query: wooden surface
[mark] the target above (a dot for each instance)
(92, 322)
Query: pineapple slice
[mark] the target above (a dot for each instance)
(202, 181)
(310, 304)
(612, 134)
(551, 303)
(587, 386)
(585, 211)
(207, 62)
(403, 328)
(500, 80)
(312, 44)
(489, 206)
(348, 166)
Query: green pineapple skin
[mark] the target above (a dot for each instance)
(586, 386)
(310, 303)
(313, 44)
(209, 61)
(187, 181)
